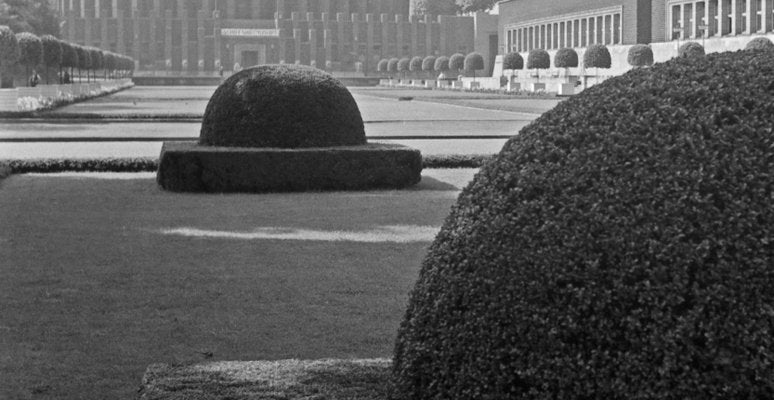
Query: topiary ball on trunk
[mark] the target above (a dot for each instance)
(283, 106)
(619, 247)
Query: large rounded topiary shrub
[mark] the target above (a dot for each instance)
(428, 64)
(640, 55)
(9, 50)
(441, 64)
(456, 62)
(538, 59)
(513, 61)
(597, 56)
(760, 43)
(690, 49)
(474, 62)
(282, 106)
(392, 65)
(566, 58)
(620, 247)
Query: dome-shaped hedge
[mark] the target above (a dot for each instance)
(415, 64)
(513, 61)
(392, 65)
(640, 55)
(760, 43)
(382, 65)
(690, 49)
(286, 106)
(441, 64)
(428, 63)
(456, 62)
(538, 59)
(619, 247)
(404, 64)
(597, 56)
(9, 48)
(30, 49)
(566, 58)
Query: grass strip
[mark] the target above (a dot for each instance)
(329, 379)
(148, 164)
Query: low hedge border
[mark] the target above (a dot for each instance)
(192, 167)
(148, 164)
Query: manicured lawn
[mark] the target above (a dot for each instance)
(93, 292)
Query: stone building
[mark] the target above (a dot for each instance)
(529, 24)
(198, 36)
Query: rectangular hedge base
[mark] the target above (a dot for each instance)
(190, 167)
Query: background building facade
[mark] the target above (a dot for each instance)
(199, 36)
(528, 24)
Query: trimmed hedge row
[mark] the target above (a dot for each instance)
(620, 247)
(448, 161)
(188, 167)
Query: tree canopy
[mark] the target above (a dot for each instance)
(476, 5)
(434, 7)
(35, 16)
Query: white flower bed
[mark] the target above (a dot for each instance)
(47, 96)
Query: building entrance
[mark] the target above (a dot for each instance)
(248, 55)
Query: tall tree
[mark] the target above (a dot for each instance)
(476, 5)
(35, 16)
(434, 7)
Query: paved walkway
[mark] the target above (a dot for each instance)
(99, 128)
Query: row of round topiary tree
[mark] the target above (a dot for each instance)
(455, 63)
(27, 51)
(596, 56)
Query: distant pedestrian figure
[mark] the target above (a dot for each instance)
(67, 77)
(34, 79)
(220, 71)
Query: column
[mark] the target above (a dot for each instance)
(313, 47)
(604, 30)
(766, 18)
(694, 20)
(721, 18)
(328, 46)
(120, 32)
(104, 33)
(414, 47)
(570, 35)
(737, 16)
(685, 21)
(752, 17)
(297, 46)
(167, 38)
(136, 40)
(230, 9)
(341, 19)
(588, 31)
(429, 35)
(355, 38)
(399, 35)
(200, 16)
(709, 17)
(385, 20)
(184, 54)
(83, 8)
(97, 8)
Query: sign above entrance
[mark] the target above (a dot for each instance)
(250, 32)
